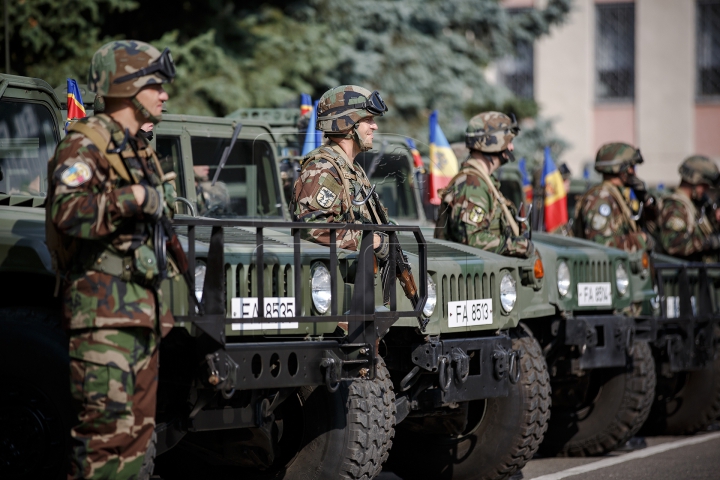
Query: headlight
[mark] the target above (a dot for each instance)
(508, 293)
(563, 279)
(200, 271)
(320, 284)
(429, 307)
(621, 279)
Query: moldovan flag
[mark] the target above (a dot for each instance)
(311, 137)
(526, 183)
(417, 159)
(75, 106)
(443, 163)
(555, 196)
(305, 103)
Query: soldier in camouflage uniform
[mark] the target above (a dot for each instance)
(684, 228)
(107, 191)
(473, 211)
(603, 214)
(330, 181)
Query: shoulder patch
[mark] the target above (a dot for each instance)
(477, 214)
(76, 174)
(599, 221)
(325, 197)
(605, 210)
(676, 224)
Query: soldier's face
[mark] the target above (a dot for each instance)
(699, 191)
(365, 129)
(152, 98)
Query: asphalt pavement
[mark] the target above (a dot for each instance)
(664, 458)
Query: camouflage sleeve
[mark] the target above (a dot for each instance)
(604, 223)
(676, 236)
(81, 203)
(319, 195)
(476, 221)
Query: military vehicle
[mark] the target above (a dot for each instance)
(676, 307)
(601, 371)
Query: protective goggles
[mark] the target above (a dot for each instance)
(163, 66)
(374, 104)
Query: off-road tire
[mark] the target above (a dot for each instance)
(342, 435)
(504, 440)
(35, 405)
(686, 402)
(348, 433)
(612, 417)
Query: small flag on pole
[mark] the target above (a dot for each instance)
(443, 163)
(526, 182)
(417, 159)
(75, 106)
(311, 134)
(305, 103)
(555, 196)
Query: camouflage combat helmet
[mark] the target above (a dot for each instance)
(615, 157)
(340, 108)
(490, 132)
(699, 169)
(120, 69)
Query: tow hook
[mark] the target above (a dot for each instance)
(507, 362)
(225, 384)
(332, 365)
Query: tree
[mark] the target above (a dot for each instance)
(420, 54)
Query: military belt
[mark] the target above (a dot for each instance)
(114, 264)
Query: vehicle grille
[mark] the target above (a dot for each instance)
(591, 271)
(465, 287)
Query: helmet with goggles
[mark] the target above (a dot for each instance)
(340, 108)
(616, 157)
(698, 170)
(121, 68)
(491, 132)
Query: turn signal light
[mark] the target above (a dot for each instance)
(538, 269)
(645, 261)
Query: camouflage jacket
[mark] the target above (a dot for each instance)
(320, 195)
(95, 213)
(600, 217)
(683, 231)
(471, 214)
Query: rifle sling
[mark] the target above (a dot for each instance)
(476, 167)
(102, 144)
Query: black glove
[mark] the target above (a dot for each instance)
(152, 207)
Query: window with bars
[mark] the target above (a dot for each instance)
(708, 48)
(615, 51)
(516, 72)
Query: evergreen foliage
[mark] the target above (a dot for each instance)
(421, 55)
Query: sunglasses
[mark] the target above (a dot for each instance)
(163, 66)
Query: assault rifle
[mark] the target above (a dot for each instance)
(402, 268)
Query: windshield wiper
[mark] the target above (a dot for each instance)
(226, 153)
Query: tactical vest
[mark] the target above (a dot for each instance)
(335, 159)
(140, 265)
(471, 167)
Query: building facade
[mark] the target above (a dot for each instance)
(646, 72)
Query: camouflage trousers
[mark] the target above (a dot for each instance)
(113, 380)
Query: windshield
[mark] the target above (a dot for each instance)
(394, 182)
(28, 138)
(247, 185)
